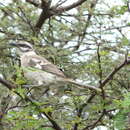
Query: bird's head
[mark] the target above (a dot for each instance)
(22, 47)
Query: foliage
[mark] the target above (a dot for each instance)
(89, 42)
(121, 118)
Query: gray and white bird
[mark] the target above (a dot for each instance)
(40, 71)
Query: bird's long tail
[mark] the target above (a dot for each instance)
(83, 86)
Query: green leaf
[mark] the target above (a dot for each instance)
(21, 91)
(125, 41)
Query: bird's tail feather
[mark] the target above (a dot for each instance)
(81, 85)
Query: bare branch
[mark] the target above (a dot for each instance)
(47, 12)
(25, 19)
(49, 126)
(115, 70)
(7, 84)
(95, 123)
(71, 6)
(36, 4)
(81, 38)
(55, 125)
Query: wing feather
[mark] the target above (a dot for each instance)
(43, 64)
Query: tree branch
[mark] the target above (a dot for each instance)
(81, 37)
(104, 82)
(10, 86)
(55, 125)
(81, 108)
(60, 10)
(47, 12)
(95, 123)
(36, 4)
(7, 84)
(115, 70)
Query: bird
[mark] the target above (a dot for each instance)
(42, 72)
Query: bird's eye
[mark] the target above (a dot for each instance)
(25, 46)
(22, 45)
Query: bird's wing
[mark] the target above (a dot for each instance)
(43, 64)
